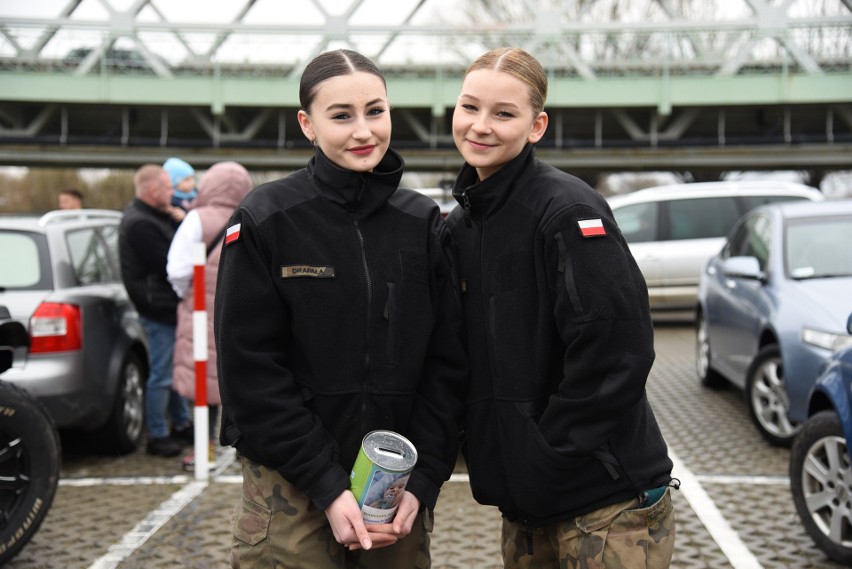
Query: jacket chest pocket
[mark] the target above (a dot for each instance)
(566, 269)
(407, 309)
(518, 343)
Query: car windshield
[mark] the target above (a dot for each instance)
(819, 247)
(23, 257)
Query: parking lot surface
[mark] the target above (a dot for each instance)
(734, 509)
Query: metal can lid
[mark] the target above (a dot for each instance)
(390, 451)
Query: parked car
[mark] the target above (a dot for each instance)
(772, 307)
(821, 461)
(29, 450)
(672, 230)
(88, 355)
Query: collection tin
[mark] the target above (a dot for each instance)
(380, 474)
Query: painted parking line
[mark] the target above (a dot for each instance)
(135, 538)
(750, 480)
(180, 479)
(717, 526)
(705, 509)
(700, 502)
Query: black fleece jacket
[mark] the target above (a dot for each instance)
(144, 237)
(560, 342)
(337, 313)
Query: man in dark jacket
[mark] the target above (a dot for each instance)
(145, 234)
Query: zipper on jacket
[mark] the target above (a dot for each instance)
(489, 308)
(466, 206)
(369, 280)
(391, 317)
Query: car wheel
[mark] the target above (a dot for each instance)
(766, 397)
(706, 374)
(123, 430)
(30, 460)
(821, 482)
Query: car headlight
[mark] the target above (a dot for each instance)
(826, 340)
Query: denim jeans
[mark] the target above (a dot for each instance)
(161, 401)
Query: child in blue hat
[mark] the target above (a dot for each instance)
(182, 176)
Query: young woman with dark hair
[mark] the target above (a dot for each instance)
(337, 314)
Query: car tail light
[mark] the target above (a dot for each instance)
(55, 327)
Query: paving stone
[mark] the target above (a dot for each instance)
(84, 522)
(709, 430)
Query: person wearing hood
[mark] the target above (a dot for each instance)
(182, 176)
(337, 314)
(222, 189)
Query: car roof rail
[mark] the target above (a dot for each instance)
(60, 215)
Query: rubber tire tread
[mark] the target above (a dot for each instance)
(110, 437)
(22, 416)
(768, 352)
(823, 424)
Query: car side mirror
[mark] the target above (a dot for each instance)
(743, 267)
(849, 324)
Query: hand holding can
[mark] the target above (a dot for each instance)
(381, 473)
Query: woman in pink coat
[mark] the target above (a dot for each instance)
(222, 189)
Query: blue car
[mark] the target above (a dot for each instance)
(821, 461)
(772, 307)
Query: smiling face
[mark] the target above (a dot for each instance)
(494, 119)
(349, 119)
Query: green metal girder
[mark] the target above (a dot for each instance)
(437, 94)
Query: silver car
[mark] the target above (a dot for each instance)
(88, 354)
(773, 306)
(673, 230)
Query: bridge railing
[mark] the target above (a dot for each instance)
(810, 45)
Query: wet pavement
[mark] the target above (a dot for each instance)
(734, 509)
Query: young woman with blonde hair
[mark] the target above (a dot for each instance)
(559, 432)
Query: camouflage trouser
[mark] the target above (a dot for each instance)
(277, 526)
(620, 536)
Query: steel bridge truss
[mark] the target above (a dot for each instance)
(657, 75)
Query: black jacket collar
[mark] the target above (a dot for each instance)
(359, 192)
(150, 211)
(481, 198)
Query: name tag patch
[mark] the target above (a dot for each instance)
(307, 271)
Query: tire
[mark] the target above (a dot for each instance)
(123, 430)
(821, 483)
(30, 460)
(706, 374)
(766, 398)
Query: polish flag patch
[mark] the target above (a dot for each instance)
(232, 234)
(591, 227)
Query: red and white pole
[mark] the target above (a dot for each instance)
(199, 351)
